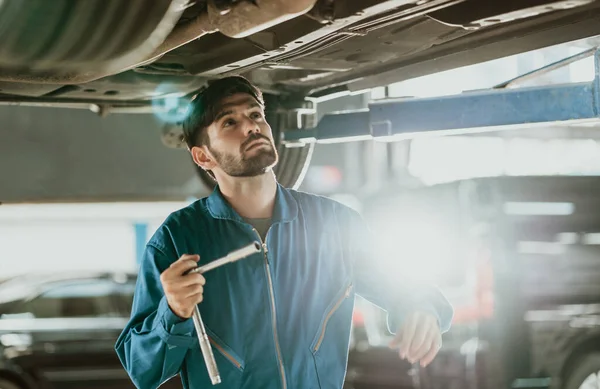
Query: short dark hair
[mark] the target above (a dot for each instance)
(206, 105)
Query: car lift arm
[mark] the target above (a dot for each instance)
(478, 111)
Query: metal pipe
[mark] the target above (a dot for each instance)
(231, 257)
(546, 69)
(207, 353)
(209, 358)
(243, 19)
(181, 35)
(248, 17)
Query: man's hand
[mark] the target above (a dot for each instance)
(419, 338)
(183, 291)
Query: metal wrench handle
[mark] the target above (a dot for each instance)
(231, 257)
(209, 357)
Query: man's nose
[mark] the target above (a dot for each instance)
(250, 126)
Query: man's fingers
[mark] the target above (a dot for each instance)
(407, 336)
(421, 338)
(430, 355)
(185, 257)
(193, 290)
(430, 340)
(192, 279)
(185, 263)
(196, 298)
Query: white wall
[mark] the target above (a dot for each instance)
(61, 237)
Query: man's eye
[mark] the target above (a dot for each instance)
(229, 122)
(256, 115)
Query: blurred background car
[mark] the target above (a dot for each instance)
(59, 330)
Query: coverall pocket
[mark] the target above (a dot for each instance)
(229, 364)
(330, 344)
(226, 352)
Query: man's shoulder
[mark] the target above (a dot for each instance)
(187, 218)
(193, 212)
(307, 197)
(312, 199)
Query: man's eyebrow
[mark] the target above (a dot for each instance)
(222, 114)
(226, 109)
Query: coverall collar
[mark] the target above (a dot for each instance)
(285, 209)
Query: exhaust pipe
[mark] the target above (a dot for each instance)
(249, 17)
(240, 20)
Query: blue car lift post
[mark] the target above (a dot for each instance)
(494, 109)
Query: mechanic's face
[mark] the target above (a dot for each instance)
(241, 143)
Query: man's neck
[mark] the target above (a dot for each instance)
(252, 197)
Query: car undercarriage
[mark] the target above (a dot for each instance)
(125, 53)
(132, 56)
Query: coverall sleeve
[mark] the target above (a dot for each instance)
(389, 289)
(154, 343)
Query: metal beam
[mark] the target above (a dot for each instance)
(478, 111)
(141, 238)
(546, 69)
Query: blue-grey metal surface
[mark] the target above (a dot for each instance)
(141, 238)
(547, 69)
(486, 109)
(478, 111)
(61, 155)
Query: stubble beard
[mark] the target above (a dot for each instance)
(242, 165)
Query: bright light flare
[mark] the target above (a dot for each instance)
(169, 105)
(417, 249)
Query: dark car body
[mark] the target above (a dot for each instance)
(60, 331)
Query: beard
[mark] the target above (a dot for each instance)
(244, 165)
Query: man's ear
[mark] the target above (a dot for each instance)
(202, 157)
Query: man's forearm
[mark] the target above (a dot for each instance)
(154, 349)
(427, 299)
(153, 345)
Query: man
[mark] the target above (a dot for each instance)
(277, 319)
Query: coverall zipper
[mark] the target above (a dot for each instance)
(225, 353)
(273, 310)
(329, 314)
